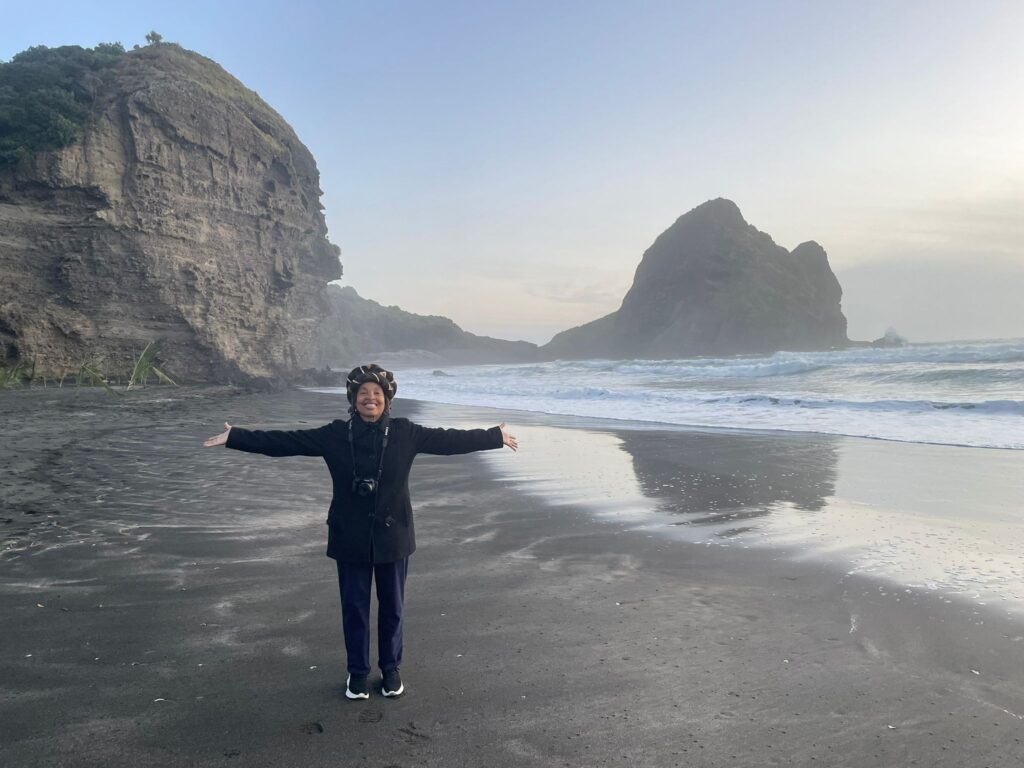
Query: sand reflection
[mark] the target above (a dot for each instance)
(942, 518)
(574, 466)
(937, 517)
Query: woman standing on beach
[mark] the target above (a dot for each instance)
(370, 527)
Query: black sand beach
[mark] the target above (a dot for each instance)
(165, 605)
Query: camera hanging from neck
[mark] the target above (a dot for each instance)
(364, 486)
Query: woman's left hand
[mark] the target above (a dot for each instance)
(507, 439)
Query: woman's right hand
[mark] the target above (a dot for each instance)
(221, 439)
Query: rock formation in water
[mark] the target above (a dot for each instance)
(891, 338)
(711, 284)
(358, 330)
(187, 213)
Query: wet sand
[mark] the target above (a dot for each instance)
(166, 605)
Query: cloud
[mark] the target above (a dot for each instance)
(948, 229)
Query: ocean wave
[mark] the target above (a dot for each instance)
(687, 370)
(988, 407)
(932, 354)
(787, 363)
(955, 394)
(972, 374)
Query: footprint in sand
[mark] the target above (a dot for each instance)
(413, 734)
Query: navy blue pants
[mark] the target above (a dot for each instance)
(354, 581)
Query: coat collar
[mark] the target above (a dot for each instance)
(361, 428)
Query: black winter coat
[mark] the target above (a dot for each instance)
(378, 529)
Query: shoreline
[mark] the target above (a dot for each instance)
(538, 631)
(637, 424)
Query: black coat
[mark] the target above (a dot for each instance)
(377, 529)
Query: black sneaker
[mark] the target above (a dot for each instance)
(356, 687)
(392, 685)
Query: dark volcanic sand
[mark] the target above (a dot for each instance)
(168, 605)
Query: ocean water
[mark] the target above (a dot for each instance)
(963, 393)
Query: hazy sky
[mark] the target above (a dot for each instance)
(506, 164)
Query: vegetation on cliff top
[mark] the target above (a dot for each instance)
(46, 94)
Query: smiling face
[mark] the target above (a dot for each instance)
(370, 401)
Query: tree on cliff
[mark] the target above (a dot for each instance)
(154, 37)
(45, 95)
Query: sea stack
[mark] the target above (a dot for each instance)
(712, 284)
(187, 213)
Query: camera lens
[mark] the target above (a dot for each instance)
(364, 486)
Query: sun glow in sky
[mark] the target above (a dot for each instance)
(506, 165)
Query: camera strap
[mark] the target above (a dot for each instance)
(352, 450)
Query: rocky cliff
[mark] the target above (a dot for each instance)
(358, 330)
(711, 284)
(187, 213)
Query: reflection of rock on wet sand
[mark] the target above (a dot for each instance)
(936, 517)
(715, 480)
(923, 516)
(723, 477)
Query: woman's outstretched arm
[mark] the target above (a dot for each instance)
(277, 442)
(452, 441)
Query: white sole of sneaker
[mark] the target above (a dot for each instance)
(392, 694)
(353, 696)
